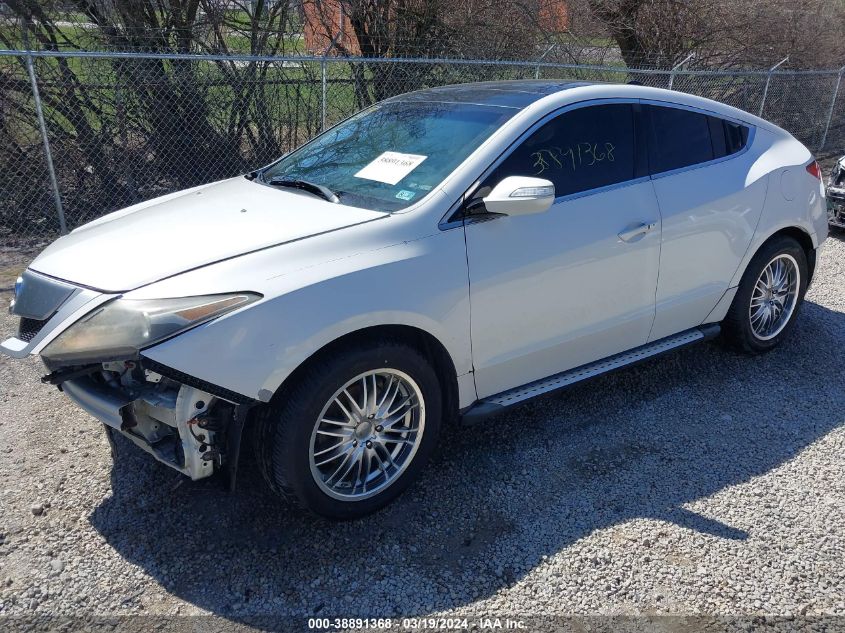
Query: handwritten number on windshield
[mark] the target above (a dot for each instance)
(575, 156)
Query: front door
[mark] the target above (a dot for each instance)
(576, 283)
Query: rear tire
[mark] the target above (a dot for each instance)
(374, 410)
(768, 298)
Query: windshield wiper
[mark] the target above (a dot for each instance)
(305, 185)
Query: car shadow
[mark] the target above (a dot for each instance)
(499, 497)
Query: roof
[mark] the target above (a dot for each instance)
(515, 94)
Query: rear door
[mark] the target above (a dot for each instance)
(700, 168)
(558, 289)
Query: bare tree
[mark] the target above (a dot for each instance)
(809, 32)
(474, 29)
(660, 33)
(123, 128)
(722, 33)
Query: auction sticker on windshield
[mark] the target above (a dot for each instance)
(391, 167)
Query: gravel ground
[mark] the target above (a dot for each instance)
(703, 482)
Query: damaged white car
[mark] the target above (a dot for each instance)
(442, 255)
(836, 195)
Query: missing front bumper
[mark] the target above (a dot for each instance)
(181, 426)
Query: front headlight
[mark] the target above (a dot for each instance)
(120, 329)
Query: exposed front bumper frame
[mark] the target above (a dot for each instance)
(186, 446)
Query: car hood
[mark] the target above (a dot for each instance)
(189, 229)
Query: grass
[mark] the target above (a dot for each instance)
(279, 87)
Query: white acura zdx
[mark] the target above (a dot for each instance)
(440, 256)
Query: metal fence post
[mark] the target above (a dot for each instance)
(830, 111)
(675, 67)
(324, 80)
(39, 113)
(323, 97)
(542, 57)
(769, 81)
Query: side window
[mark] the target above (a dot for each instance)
(581, 149)
(727, 137)
(736, 136)
(718, 137)
(677, 138)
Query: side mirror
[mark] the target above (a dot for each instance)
(520, 195)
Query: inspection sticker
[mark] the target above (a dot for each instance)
(406, 195)
(391, 167)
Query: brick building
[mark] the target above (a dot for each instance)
(326, 20)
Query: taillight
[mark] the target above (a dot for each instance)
(814, 170)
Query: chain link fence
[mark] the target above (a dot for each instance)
(86, 133)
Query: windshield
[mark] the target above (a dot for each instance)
(391, 155)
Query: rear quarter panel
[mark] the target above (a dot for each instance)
(795, 198)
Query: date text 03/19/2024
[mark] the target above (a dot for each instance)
(415, 624)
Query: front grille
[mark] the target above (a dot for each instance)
(28, 329)
(38, 298)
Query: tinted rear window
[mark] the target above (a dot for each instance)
(677, 138)
(727, 137)
(736, 136)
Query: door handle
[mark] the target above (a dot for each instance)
(629, 235)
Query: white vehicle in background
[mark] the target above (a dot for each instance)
(444, 254)
(836, 195)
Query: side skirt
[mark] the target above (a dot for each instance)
(501, 401)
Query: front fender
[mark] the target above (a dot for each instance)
(421, 283)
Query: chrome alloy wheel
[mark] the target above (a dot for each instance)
(774, 297)
(367, 434)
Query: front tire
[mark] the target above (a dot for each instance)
(353, 431)
(768, 298)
